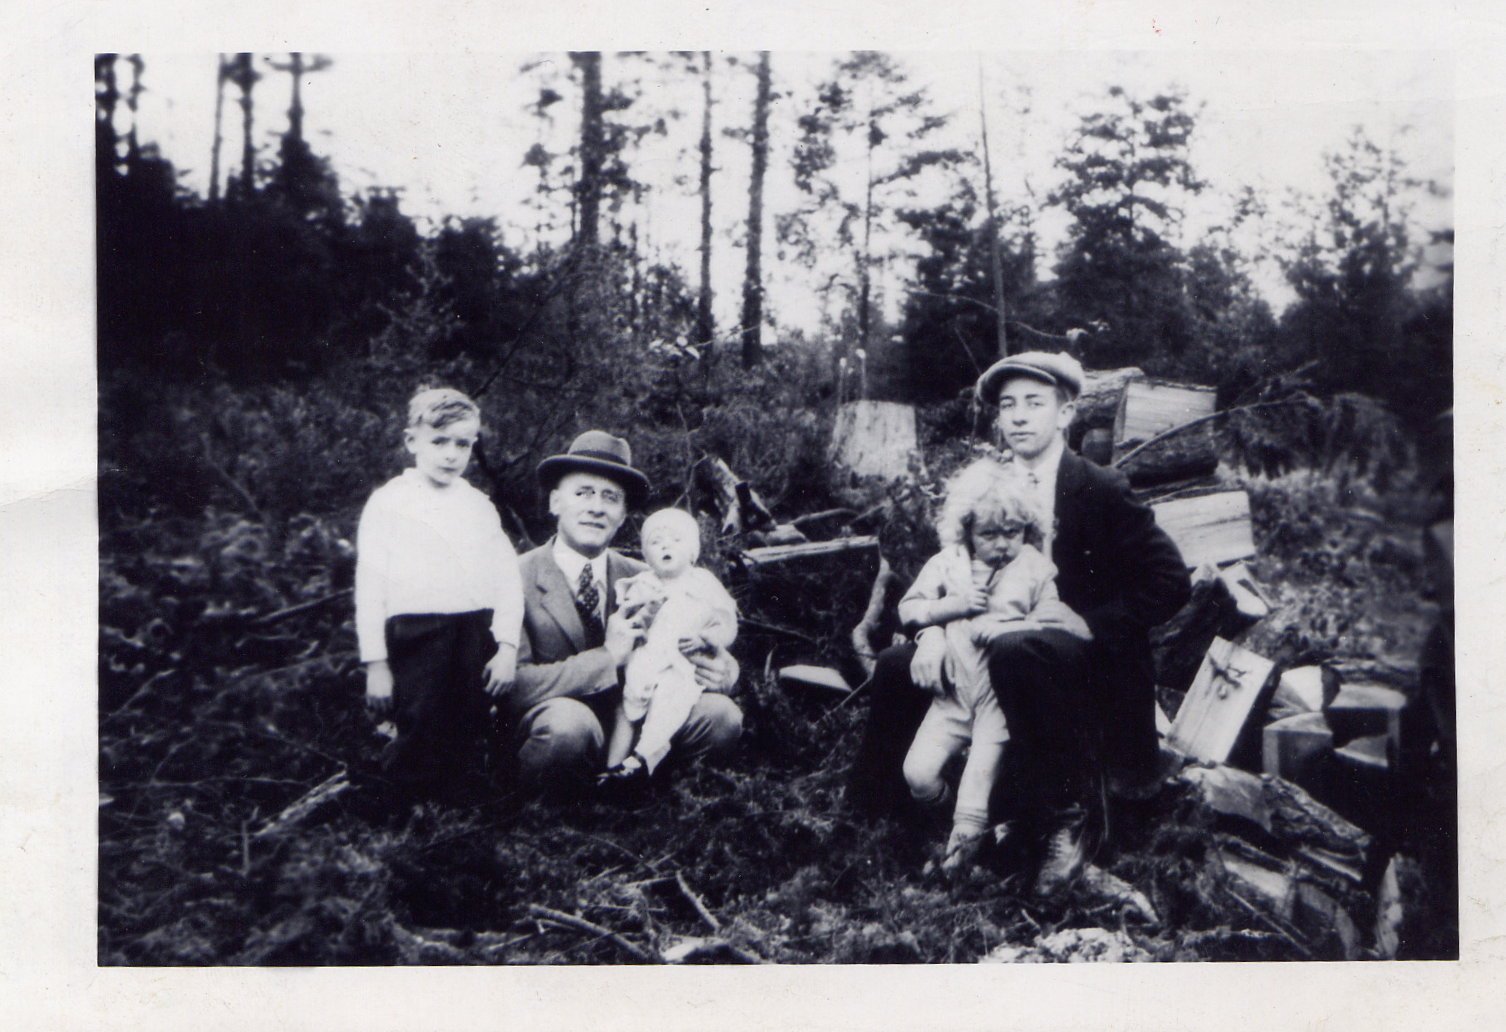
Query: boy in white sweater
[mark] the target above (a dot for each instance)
(439, 602)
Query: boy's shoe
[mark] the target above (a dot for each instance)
(1065, 851)
(962, 848)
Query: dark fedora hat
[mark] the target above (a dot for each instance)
(1059, 370)
(597, 451)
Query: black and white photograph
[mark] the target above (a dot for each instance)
(1047, 506)
(774, 506)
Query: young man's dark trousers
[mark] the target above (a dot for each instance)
(440, 704)
(1040, 678)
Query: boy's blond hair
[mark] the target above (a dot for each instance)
(988, 490)
(439, 407)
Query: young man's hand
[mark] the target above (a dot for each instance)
(624, 632)
(378, 688)
(928, 665)
(500, 671)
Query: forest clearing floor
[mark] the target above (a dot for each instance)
(214, 720)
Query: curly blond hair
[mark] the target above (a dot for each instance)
(988, 490)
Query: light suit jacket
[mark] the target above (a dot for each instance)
(554, 661)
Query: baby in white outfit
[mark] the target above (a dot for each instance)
(682, 602)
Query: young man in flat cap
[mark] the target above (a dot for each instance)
(573, 645)
(1078, 696)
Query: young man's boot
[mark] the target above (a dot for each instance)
(1065, 851)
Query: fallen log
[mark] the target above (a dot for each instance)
(1177, 457)
(785, 553)
(1228, 685)
(737, 505)
(1102, 390)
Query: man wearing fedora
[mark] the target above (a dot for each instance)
(1078, 696)
(573, 645)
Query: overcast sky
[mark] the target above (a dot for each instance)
(450, 130)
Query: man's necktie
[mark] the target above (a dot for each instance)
(588, 602)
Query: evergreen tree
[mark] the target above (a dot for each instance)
(1128, 174)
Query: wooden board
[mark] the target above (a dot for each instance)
(875, 439)
(1211, 528)
(1148, 407)
(784, 553)
(1219, 702)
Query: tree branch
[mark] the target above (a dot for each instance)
(580, 924)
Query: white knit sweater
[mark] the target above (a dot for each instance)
(423, 549)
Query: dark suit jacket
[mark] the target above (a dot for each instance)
(553, 660)
(1123, 575)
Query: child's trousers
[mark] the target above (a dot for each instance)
(950, 726)
(440, 704)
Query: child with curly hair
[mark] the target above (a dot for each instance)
(988, 579)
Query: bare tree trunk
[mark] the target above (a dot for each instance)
(995, 262)
(864, 256)
(133, 147)
(705, 326)
(219, 111)
(592, 148)
(752, 321)
(245, 77)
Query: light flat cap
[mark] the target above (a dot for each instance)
(1056, 369)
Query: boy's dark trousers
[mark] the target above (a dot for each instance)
(440, 704)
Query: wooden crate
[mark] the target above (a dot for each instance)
(1211, 528)
(1218, 704)
(1148, 407)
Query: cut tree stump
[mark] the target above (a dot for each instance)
(1149, 407)
(875, 439)
(1227, 687)
(1363, 710)
(1294, 747)
(1211, 528)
